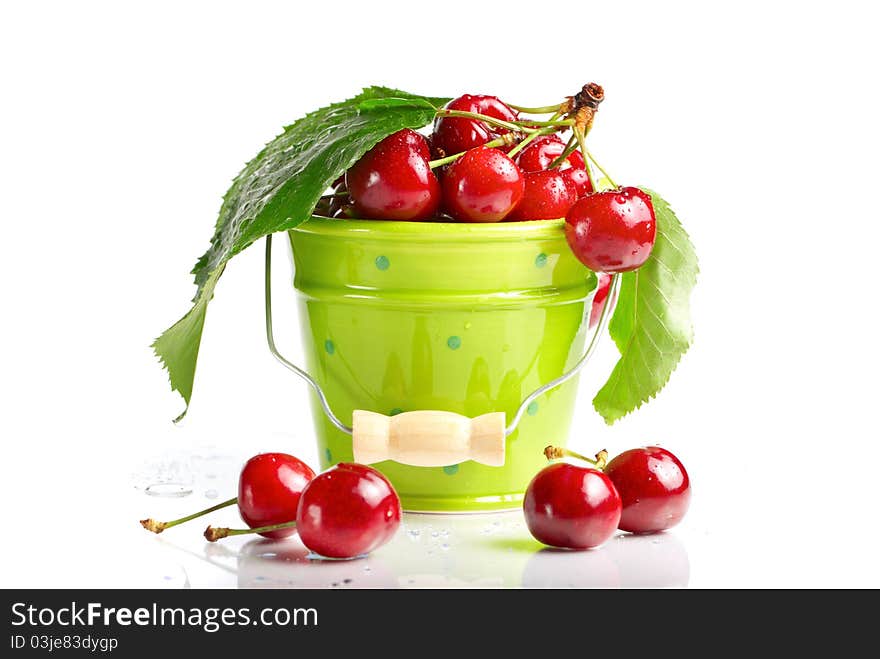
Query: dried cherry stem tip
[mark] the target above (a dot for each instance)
(214, 533)
(557, 452)
(154, 526)
(583, 105)
(157, 527)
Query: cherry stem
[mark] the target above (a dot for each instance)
(580, 135)
(566, 152)
(214, 533)
(601, 169)
(532, 136)
(542, 110)
(504, 140)
(557, 452)
(525, 126)
(484, 118)
(561, 123)
(157, 527)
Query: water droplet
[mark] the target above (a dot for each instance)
(414, 533)
(434, 534)
(169, 490)
(211, 494)
(444, 547)
(468, 325)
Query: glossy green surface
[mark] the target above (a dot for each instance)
(469, 318)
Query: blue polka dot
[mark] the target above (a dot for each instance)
(382, 262)
(451, 470)
(328, 455)
(329, 347)
(541, 260)
(454, 342)
(532, 409)
(395, 411)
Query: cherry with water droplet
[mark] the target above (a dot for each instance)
(484, 185)
(547, 195)
(394, 180)
(456, 134)
(612, 231)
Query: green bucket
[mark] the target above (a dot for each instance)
(466, 318)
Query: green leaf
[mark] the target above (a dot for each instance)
(651, 325)
(394, 102)
(278, 190)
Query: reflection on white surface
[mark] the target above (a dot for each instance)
(438, 551)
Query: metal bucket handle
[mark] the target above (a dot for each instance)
(429, 438)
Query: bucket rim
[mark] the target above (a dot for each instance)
(434, 231)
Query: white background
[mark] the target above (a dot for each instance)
(121, 126)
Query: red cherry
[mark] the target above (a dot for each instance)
(538, 155)
(602, 289)
(571, 506)
(269, 490)
(548, 195)
(577, 174)
(456, 134)
(654, 487)
(349, 510)
(484, 185)
(393, 180)
(612, 231)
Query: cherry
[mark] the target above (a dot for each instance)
(547, 195)
(393, 180)
(602, 289)
(577, 174)
(612, 231)
(542, 151)
(456, 134)
(654, 487)
(571, 506)
(349, 510)
(538, 156)
(484, 185)
(269, 490)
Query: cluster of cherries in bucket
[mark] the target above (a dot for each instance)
(643, 490)
(490, 165)
(349, 510)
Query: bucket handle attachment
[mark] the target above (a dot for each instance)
(429, 438)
